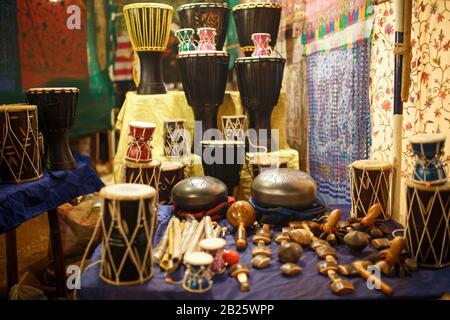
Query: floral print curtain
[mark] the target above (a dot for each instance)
(428, 108)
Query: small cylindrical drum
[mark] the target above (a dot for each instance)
(144, 172)
(259, 81)
(223, 159)
(148, 25)
(204, 76)
(172, 172)
(197, 277)
(56, 108)
(211, 15)
(215, 247)
(429, 166)
(370, 184)
(260, 17)
(140, 148)
(176, 139)
(234, 128)
(19, 142)
(127, 226)
(261, 163)
(185, 38)
(427, 229)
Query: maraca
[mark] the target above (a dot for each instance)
(241, 215)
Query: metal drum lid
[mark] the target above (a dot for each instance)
(286, 188)
(199, 193)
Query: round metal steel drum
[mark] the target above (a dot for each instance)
(199, 193)
(286, 188)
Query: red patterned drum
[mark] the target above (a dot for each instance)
(141, 133)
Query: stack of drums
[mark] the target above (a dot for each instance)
(139, 165)
(428, 204)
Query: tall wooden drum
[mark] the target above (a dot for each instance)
(148, 25)
(57, 108)
(428, 224)
(370, 184)
(127, 225)
(19, 144)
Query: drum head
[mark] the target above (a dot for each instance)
(17, 107)
(198, 259)
(147, 5)
(212, 244)
(371, 165)
(141, 124)
(142, 164)
(127, 192)
(171, 165)
(426, 138)
(53, 90)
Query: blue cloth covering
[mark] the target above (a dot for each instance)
(22, 202)
(268, 283)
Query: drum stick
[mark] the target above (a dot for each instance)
(208, 228)
(163, 243)
(383, 286)
(176, 255)
(166, 262)
(189, 233)
(193, 242)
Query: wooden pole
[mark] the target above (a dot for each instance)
(401, 85)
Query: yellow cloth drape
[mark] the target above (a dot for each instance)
(173, 105)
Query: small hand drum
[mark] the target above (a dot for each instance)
(172, 172)
(20, 159)
(429, 167)
(197, 277)
(427, 231)
(370, 184)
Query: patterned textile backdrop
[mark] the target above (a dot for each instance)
(428, 108)
(339, 116)
(294, 81)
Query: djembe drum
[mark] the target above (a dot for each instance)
(370, 184)
(19, 142)
(172, 172)
(176, 139)
(223, 160)
(148, 25)
(259, 82)
(427, 229)
(127, 223)
(204, 77)
(428, 150)
(256, 18)
(234, 128)
(56, 109)
(211, 15)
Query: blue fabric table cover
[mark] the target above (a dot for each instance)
(22, 202)
(265, 284)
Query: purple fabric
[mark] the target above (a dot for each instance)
(22, 202)
(268, 283)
